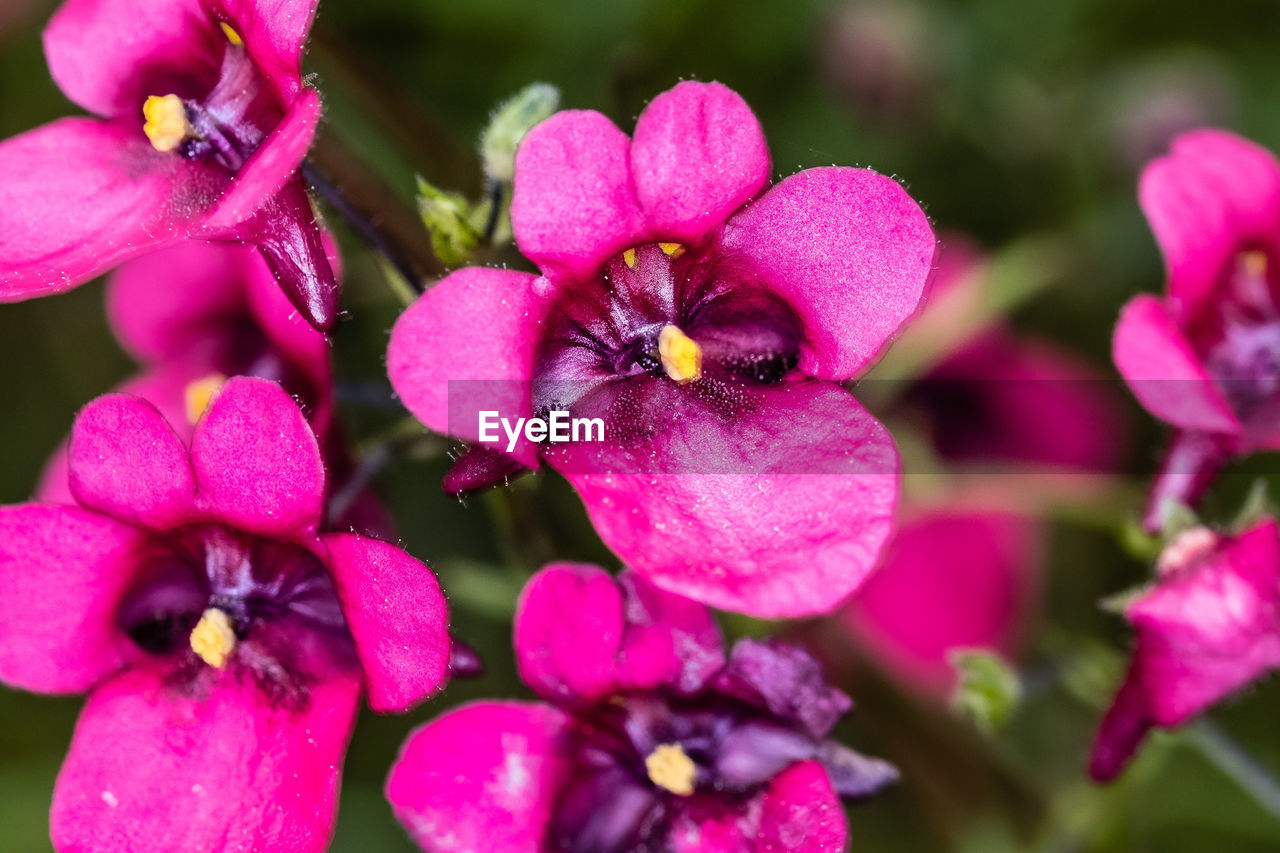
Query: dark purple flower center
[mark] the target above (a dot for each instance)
(1240, 342)
(663, 319)
(211, 595)
(224, 125)
(643, 759)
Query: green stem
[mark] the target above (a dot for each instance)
(1229, 757)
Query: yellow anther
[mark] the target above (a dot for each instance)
(681, 356)
(630, 257)
(213, 638)
(166, 122)
(673, 250)
(231, 34)
(199, 393)
(1254, 263)
(670, 768)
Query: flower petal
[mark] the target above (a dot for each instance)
(109, 55)
(905, 615)
(397, 617)
(79, 195)
(482, 778)
(785, 680)
(158, 302)
(778, 511)
(64, 571)
(641, 636)
(1164, 372)
(151, 767)
(1214, 195)
(1205, 633)
(467, 345)
(698, 155)
(274, 32)
(849, 249)
(573, 204)
(265, 174)
(257, 461)
(801, 812)
(127, 462)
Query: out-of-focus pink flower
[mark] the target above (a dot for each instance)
(1206, 357)
(202, 120)
(1209, 626)
(952, 579)
(196, 314)
(706, 319)
(224, 640)
(649, 739)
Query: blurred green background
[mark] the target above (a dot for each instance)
(1009, 120)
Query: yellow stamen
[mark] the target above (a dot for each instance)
(199, 393)
(213, 638)
(681, 356)
(630, 257)
(670, 768)
(673, 250)
(166, 122)
(231, 34)
(1254, 263)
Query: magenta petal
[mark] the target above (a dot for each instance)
(641, 637)
(780, 512)
(1214, 195)
(906, 614)
(158, 302)
(397, 617)
(698, 155)
(849, 249)
(1164, 372)
(274, 32)
(127, 462)
(482, 778)
(64, 571)
(467, 345)
(271, 168)
(1207, 632)
(79, 195)
(104, 54)
(801, 812)
(256, 460)
(152, 768)
(573, 204)
(1124, 727)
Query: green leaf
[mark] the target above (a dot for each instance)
(988, 690)
(1176, 518)
(1256, 505)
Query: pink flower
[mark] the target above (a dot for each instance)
(197, 313)
(952, 579)
(707, 330)
(1206, 358)
(1209, 626)
(202, 122)
(649, 739)
(224, 641)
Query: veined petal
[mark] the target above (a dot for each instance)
(275, 33)
(850, 251)
(397, 617)
(697, 156)
(573, 205)
(78, 196)
(153, 768)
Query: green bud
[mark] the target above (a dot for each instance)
(988, 690)
(508, 125)
(447, 217)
